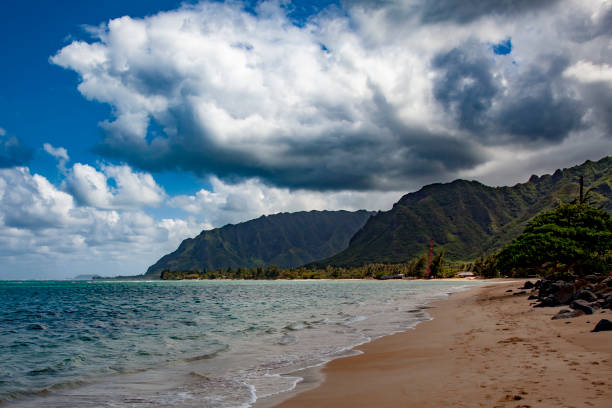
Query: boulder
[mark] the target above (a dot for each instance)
(608, 281)
(548, 301)
(580, 284)
(563, 292)
(567, 314)
(528, 285)
(580, 304)
(586, 295)
(594, 278)
(603, 325)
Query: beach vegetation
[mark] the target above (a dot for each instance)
(415, 268)
(486, 266)
(571, 238)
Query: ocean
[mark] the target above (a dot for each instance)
(188, 343)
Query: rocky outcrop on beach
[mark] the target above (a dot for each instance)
(584, 295)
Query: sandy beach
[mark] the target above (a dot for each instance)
(485, 347)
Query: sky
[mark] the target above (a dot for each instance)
(130, 126)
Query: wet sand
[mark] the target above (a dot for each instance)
(484, 348)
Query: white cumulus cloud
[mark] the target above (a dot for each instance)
(380, 96)
(130, 190)
(45, 233)
(232, 203)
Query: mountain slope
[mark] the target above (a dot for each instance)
(284, 240)
(468, 218)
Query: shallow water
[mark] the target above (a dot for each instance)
(188, 343)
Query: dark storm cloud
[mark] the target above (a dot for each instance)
(540, 106)
(582, 28)
(533, 113)
(466, 11)
(377, 156)
(456, 11)
(528, 111)
(389, 99)
(599, 96)
(467, 86)
(13, 153)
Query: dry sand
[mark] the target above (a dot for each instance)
(484, 348)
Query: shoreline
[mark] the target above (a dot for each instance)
(314, 376)
(484, 347)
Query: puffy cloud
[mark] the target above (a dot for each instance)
(232, 203)
(131, 189)
(12, 152)
(586, 71)
(45, 233)
(255, 96)
(51, 232)
(373, 97)
(60, 153)
(30, 201)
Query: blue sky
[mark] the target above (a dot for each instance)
(39, 101)
(129, 126)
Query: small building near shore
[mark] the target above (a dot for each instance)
(466, 275)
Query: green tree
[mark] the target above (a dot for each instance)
(486, 266)
(571, 237)
(437, 263)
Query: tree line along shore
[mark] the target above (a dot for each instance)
(572, 239)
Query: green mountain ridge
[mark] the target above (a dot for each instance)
(468, 218)
(285, 240)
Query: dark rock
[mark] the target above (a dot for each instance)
(600, 288)
(582, 305)
(567, 314)
(522, 292)
(586, 295)
(603, 325)
(594, 278)
(566, 277)
(548, 301)
(563, 292)
(509, 290)
(528, 285)
(608, 281)
(532, 297)
(580, 284)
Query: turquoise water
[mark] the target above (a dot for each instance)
(188, 343)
